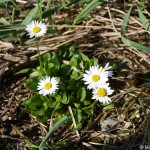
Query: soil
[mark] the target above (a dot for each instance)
(131, 83)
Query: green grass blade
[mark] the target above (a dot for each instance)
(135, 45)
(52, 130)
(30, 16)
(3, 1)
(5, 30)
(129, 42)
(4, 21)
(48, 4)
(49, 12)
(125, 22)
(14, 26)
(145, 22)
(87, 10)
(76, 2)
(13, 38)
(143, 108)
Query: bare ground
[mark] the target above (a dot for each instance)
(99, 36)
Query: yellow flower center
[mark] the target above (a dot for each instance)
(95, 78)
(102, 92)
(36, 29)
(48, 86)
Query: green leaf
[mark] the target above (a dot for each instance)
(31, 84)
(143, 108)
(135, 45)
(52, 103)
(6, 30)
(13, 26)
(56, 63)
(50, 65)
(81, 94)
(58, 98)
(89, 109)
(73, 62)
(71, 98)
(27, 102)
(79, 125)
(49, 12)
(46, 56)
(52, 130)
(87, 10)
(3, 1)
(120, 111)
(133, 116)
(45, 106)
(34, 74)
(13, 38)
(74, 74)
(84, 57)
(77, 114)
(23, 71)
(72, 84)
(64, 98)
(80, 1)
(129, 42)
(42, 119)
(64, 70)
(33, 103)
(4, 21)
(125, 22)
(30, 16)
(109, 106)
(145, 22)
(86, 102)
(37, 112)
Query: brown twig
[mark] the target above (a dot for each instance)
(73, 120)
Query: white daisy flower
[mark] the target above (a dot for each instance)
(94, 77)
(106, 69)
(47, 86)
(101, 93)
(36, 29)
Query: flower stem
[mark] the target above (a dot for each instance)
(38, 52)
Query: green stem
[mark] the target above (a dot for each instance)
(38, 52)
(39, 2)
(47, 8)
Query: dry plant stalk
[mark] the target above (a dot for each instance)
(73, 120)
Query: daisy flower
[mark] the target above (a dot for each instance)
(36, 29)
(106, 69)
(101, 93)
(93, 77)
(47, 86)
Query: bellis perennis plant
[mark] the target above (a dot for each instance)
(65, 78)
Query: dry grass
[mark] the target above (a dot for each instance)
(99, 36)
